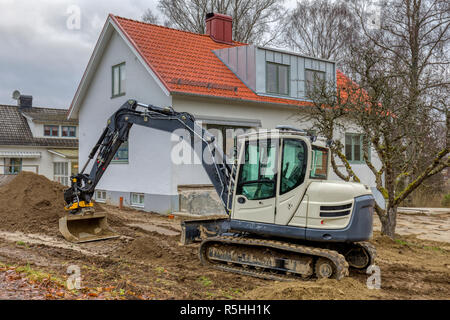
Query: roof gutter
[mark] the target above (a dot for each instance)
(197, 95)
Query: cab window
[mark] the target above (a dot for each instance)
(257, 174)
(293, 164)
(319, 163)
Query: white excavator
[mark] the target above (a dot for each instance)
(285, 218)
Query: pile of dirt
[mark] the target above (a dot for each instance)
(31, 203)
(147, 248)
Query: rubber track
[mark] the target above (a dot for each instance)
(338, 259)
(370, 249)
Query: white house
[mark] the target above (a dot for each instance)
(40, 140)
(224, 84)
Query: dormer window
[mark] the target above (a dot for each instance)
(51, 131)
(313, 78)
(277, 78)
(276, 73)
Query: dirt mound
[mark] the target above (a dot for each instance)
(346, 288)
(147, 248)
(31, 203)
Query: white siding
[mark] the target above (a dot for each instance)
(148, 170)
(42, 165)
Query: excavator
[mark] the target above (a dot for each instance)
(284, 217)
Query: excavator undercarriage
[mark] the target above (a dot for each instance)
(270, 259)
(280, 259)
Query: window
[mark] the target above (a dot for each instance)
(13, 165)
(100, 195)
(137, 199)
(61, 172)
(277, 78)
(293, 165)
(121, 155)
(319, 163)
(118, 80)
(68, 131)
(354, 147)
(51, 131)
(257, 176)
(225, 136)
(312, 78)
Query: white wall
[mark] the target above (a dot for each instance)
(149, 150)
(44, 163)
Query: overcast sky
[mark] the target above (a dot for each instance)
(41, 56)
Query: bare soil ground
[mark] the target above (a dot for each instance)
(148, 262)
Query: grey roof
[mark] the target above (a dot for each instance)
(14, 129)
(48, 114)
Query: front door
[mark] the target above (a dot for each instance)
(255, 198)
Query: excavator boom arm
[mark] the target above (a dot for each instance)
(166, 119)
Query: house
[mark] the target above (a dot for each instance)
(40, 140)
(223, 83)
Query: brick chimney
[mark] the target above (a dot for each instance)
(219, 27)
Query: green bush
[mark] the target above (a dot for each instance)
(446, 201)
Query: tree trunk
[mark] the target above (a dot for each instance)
(389, 222)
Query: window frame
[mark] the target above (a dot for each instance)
(53, 126)
(274, 180)
(361, 137)
(61, 177)
(100, 199)
(327, 162)
(7, 172)
(307, 89)
(305, 165)
(120, 93)
(135, 204)
(122, 160)
(74, 131)
(288, 67)
(222, 128)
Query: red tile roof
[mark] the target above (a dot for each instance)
(185, 63)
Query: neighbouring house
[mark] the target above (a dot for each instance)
(40, 140)
(223, 83)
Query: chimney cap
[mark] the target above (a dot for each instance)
(218, 15)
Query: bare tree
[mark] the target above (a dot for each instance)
(150, 17)
(401, 97)
(252, 19)
(414, 36)
(321, 28)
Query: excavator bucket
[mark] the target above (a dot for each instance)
(85, 227)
